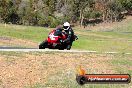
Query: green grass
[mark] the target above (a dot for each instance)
(35, 34)
(117, 40)
(104, 41)
(115, 34)
(122, 63)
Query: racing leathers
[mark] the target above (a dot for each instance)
(70, 37)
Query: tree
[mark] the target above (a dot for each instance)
(41, 12)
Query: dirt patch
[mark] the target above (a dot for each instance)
(38, 67)
(8, 41)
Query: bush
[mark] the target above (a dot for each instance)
(43, 23)
(53, 22)
(92, 14)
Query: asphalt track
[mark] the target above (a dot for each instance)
(11, 47)
(22, 49)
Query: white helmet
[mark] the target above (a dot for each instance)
(66, 26)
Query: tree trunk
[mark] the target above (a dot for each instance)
(103, 16)
(81, 18)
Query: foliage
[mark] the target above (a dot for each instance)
(42, 12)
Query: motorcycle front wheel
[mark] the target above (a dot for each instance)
(68, 47)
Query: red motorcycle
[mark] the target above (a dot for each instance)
(54, 41)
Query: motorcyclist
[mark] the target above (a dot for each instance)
(68, 30)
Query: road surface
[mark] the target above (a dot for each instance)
(22, 49)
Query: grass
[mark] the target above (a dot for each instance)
(67, 79)
(24, 32)
(17, 54)
(64, 79)
(122, 63)
(11, 57)
(119, 39)
(60, 72)
(104, 41)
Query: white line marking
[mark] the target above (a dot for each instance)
(51, 50)
(45, 50)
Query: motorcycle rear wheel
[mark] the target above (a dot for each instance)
(42, 45)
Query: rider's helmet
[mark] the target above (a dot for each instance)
(66, 26)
